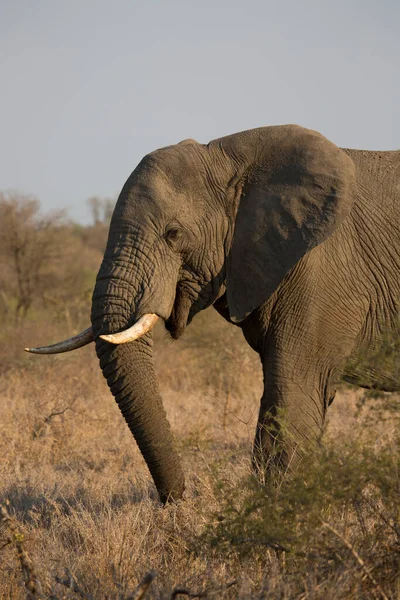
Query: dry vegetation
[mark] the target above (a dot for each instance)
(83, 519)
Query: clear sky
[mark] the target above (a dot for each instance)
(90, 86)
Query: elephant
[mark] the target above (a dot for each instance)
(291, 238)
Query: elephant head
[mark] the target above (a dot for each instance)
(194, 223)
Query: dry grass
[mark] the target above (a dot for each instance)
(81, 496)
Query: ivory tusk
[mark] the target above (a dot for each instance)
(142, 326)
(77, 341)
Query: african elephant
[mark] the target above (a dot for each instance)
(291, 238)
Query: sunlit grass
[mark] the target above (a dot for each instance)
(82, 497)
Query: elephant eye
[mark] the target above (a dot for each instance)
(173, 234)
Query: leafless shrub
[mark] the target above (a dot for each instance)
(27, 243)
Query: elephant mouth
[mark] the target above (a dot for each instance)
(180, 314)
(188, 302)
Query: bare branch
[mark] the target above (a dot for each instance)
(73, 585)
(358, 558)
(205, 594)
(143, 586)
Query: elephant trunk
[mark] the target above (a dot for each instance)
(130, 374)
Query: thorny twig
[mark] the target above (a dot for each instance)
(206, 594)
(57, 413)
(143, 586)
(72, 585)
(28, 572)
(267, 544)
(358, 558)
(390, 522)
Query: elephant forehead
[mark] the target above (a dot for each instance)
(151, 196)
(182, 166)
(173, 183)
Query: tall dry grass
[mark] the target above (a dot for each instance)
(80, 494)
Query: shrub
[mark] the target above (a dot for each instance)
(336, 521)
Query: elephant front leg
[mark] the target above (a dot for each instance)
(290, 422)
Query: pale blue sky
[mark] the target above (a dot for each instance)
(88, 86)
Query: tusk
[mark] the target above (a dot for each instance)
(145, 324)
(77, 341)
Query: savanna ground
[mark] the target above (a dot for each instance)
(85, 518)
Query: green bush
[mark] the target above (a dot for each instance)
(336, 520)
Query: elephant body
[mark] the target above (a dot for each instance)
(342, 295)
(291, 238)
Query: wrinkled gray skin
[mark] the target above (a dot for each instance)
(291, 238)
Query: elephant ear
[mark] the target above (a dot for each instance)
(293, 199)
